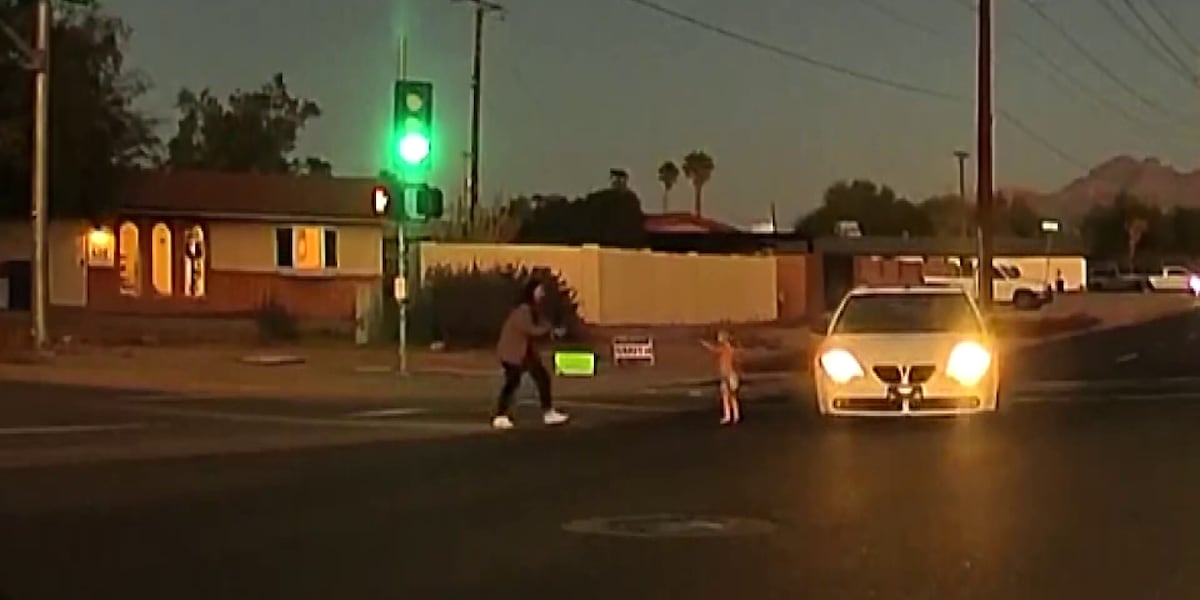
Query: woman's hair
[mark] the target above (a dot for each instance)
(527, 291)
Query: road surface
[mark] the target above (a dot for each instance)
(1081, 490)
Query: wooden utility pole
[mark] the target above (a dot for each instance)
(984, 153)
(482, 8)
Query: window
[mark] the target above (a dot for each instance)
(129, 259)
(907, 313)
(194, 273)
(306, 248)
(160, 259)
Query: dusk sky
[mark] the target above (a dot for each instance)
(575, 87)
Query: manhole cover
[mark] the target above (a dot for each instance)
(670, 526)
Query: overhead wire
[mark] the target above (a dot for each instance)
(1156, 52)
(1186, 70)
(1089, 92)
(853, 73)
(1162, 15)
(1097, 63)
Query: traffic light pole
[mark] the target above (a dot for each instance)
(402, 298)
(482, 7)
(41, 61)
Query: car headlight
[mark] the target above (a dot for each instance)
(841, 366)
(1194, 284)
(968, 363)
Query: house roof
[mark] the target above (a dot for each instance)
(685, 223)
(932, 246)
(248, 196)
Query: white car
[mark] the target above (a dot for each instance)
(911, 351)
(1174, 279)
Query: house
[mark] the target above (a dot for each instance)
(204, 243)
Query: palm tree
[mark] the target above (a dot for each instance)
(668, 174)
(698, 166)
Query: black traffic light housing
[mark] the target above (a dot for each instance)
(407, 202)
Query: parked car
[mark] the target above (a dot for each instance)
(1172, 279)
(1110, 278)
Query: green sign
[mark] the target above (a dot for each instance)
(575, 363)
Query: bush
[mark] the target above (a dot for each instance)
(275, 323)
(467, 307)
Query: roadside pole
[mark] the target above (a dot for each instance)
(402, 295)
(41, 61)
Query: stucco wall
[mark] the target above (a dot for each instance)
(250, 248)
(68, 273)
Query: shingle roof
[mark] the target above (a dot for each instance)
(674, 222)
(247, 195)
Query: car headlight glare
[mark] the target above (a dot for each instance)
(968, 363)
(841, 366)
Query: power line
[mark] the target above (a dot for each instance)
(1062, 31)
(898, 85)
(899, 17)
(1153, 4)
(1183, 66)
(815, 62)
(1129, 30)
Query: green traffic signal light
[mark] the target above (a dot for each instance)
(413, 148)
(412, 128)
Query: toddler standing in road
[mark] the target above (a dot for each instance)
(726, 356)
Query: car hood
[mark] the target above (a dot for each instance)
(906, 348)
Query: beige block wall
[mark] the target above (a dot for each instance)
(65, 243)
(620, 287)
(250, 248)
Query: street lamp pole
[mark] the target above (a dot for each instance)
(962, 156)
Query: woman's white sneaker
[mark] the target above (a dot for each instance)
(553, 417)
(502, 422)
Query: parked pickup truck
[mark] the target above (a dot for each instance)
(1108, 278)
(1009, 286)
(1173, 279)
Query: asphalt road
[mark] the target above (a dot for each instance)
(1084, 492)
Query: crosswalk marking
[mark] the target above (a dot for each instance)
(60, 429)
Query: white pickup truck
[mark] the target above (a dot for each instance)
(1172, 279)
(1008, 287)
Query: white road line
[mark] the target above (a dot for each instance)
(57, 429)
(388, 412)
(1130, 397)
(1124, 358)
(631, 408)
(313, 422)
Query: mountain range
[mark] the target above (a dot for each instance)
(1148, 179)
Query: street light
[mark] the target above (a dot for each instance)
(1049, 228)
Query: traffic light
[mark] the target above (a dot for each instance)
(423, 203)
(403, 202)
(412, 130)
(381, 200)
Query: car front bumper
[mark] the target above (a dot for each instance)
(940, 396)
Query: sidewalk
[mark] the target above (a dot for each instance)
(327, 374)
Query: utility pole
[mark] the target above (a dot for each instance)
(984, 153)
(962, 156)
(482, 8)
(402, 252)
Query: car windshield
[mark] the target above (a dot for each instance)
(907, 313)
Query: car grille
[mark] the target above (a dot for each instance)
(887, 405)
(917, 374)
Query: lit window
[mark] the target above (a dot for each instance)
(306, 248)
(160, 260)
(194, 274)
(129, 260)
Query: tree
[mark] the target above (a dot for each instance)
(949, 216)
(698, 167)
(1126, 227)
(668, 176)
(249, 132)
(608, 217)
(95, 133)
(878, 211)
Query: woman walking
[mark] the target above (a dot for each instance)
(517, 350)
